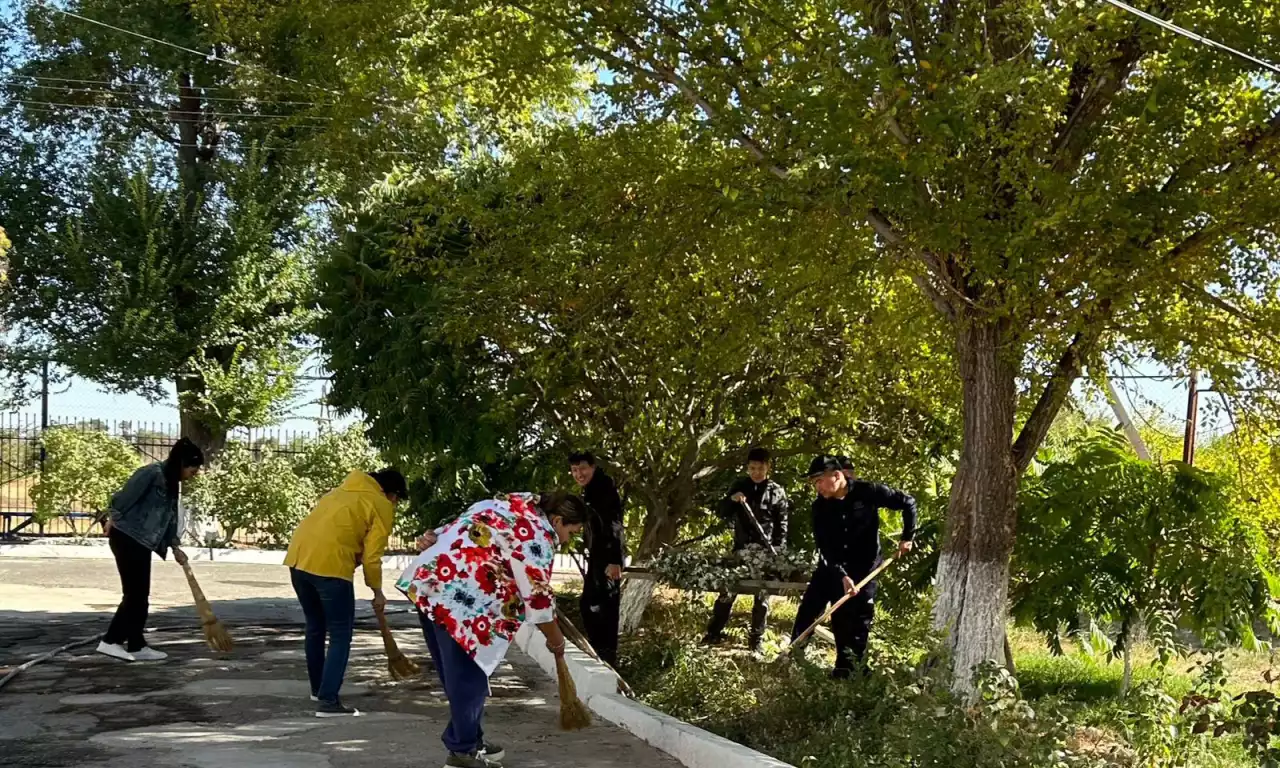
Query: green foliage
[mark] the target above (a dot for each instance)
(899, 716)
(162, 240)
(700, 571)
(562, 298)
(83, 468)
(253, 492)
(1126, 541)
(326, 461)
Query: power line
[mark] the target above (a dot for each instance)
(132, 83)
(164, 111)
(210, 56)
(1170, 26)
(238, 100)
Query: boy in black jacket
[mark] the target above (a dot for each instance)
(846, 530)
(604, 534)
(766, 501)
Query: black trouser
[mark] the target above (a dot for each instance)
(851, 623)
(724, 606)
(601, 601)
(133, 561)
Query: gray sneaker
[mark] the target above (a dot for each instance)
(335, 709)
(476, 759)
(494, 752)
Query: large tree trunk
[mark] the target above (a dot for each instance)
(661, 525)
(973, 569)
(211, 439)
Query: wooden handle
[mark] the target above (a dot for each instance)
(388, 641)
(576, 637)
(848, 596)
(759, 528)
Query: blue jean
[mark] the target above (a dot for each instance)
(465, 685)
(329, 606)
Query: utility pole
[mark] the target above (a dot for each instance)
(1135, 439)
(1193, 416)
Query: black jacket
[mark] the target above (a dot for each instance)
(769, 506)
(847, 531)
(604, 530)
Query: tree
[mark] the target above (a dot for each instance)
(1058, 181)
(159, 213)
(576, 293)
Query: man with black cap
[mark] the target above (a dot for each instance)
(756, 495)
(846, 530)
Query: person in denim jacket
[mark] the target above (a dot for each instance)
(144, 519)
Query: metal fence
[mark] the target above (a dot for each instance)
(22, 455)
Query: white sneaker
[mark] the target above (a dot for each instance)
(115, 651)
(147, 653)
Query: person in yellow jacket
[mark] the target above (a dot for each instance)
(348, 527)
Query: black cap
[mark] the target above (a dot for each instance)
(823, 464)
(845, 463)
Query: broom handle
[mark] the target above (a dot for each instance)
(759, 528)
(388, 642)
(849, 596)
(202, 603)
(576, 637)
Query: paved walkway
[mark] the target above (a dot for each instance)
(248, 708)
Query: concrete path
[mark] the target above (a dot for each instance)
(247, 708)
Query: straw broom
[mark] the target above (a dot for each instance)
(804, 636)
(400, 666)
(577, 638)
(573, 713)
(215, 634)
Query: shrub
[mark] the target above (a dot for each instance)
(82, 469)
(327, 460)
(261, 495)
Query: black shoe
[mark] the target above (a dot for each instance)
(476, 759)
(755, 644)
(493, 752)
(713, 640)
(335, 709)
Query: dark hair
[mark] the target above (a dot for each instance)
(567, 506)
(183, 454)
(391, 481)
(759, 454)
(582, 457)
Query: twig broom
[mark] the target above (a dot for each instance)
(577, 638)
(804, 636)
(573, 713)
(400, 666)
(215, 634)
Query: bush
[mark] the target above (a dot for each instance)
(261, 495)
(327, 460)
(903, 715)
(82, 469)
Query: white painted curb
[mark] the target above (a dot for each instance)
(598, 688)
(392, 563)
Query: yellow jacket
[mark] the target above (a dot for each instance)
(348, 526)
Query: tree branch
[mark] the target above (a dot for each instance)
(1065, 372)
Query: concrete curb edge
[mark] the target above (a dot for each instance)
(598, 688)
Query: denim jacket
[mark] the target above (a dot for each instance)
(144, 512)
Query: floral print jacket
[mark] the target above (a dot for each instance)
(488, 572)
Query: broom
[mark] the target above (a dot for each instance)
(400, 666)
(577, 638)
(800, 641)
(574, 715)
(214, 633)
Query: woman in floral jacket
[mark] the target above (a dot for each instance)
(476, 581)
